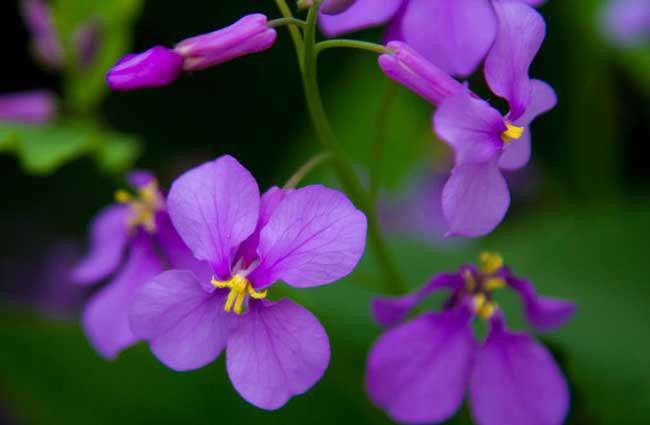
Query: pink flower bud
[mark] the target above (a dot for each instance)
(413, 71)
(156, 67)
(33, 107)
(250, 34)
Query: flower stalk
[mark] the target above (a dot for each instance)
(343, 168)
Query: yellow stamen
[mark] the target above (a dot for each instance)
(490, 262)
(483, 307)
(512, 133)
(123, 197)
(494, 283)
(143, 206)
(470, 282)
(239, 287)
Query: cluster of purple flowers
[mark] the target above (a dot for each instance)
(200, 264)
(202, 259)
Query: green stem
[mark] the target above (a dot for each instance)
(377, 151)
(344, 170)
(305, 169)
(352, 44)
(275, 23)
(293, 30)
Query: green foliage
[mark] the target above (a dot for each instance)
(114, 19)
(42, 149)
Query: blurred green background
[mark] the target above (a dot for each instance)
(579, 228)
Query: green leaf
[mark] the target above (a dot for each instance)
(44, 148)
(115, 19)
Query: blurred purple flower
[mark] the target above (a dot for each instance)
(453, 34)
(45, 41)
(476, 197)
(420, 371)
(31, 107)
(306, 237)
(416, 211)
(140, 227)
(87, 41)
(627, 21)
(160, 66)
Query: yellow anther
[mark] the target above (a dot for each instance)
(512, 133)
(122, 196)
(470, 282)
(484, 307)
(239, 287)
(143, 206)
(494, 283)
(490, 262)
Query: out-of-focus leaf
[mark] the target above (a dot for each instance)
(117, 152)
(114, 21)
(42, 149)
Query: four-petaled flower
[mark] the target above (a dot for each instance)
(139, 225)
(420, 370)
(476, 197)
(242, 244)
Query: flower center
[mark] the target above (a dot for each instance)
(512, 133)
(143, 206)
(481, 285)
(239, 288)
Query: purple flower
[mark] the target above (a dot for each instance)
(476, 197)
(45, 41)
(87, 42)
(156, 67)
(160, 66)
(334, 7)
(306, 237)
(627, 21)
(453, 34)
(32, 107)
(420, 371)
(139, 227)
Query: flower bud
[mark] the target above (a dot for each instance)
(413, 71)
(33, 107)
(87, 41)
(250, 34)
(156, 67)
(44, 39)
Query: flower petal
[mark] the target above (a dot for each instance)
(542, 99)
(334, 7)
(454, 35)
(157, 67)
(389, 311)
(186, 327)
(178, 255)
(542, 313)
(269, 202)
(31, 107)
(315, 236)
(516, 154)
(470, 126)
(521, 30)
(278, 350)
(362, 14)
(106, 316)
(475, 199)
(418, 372)
(516, 381)
(214, 208)
(108, 238)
